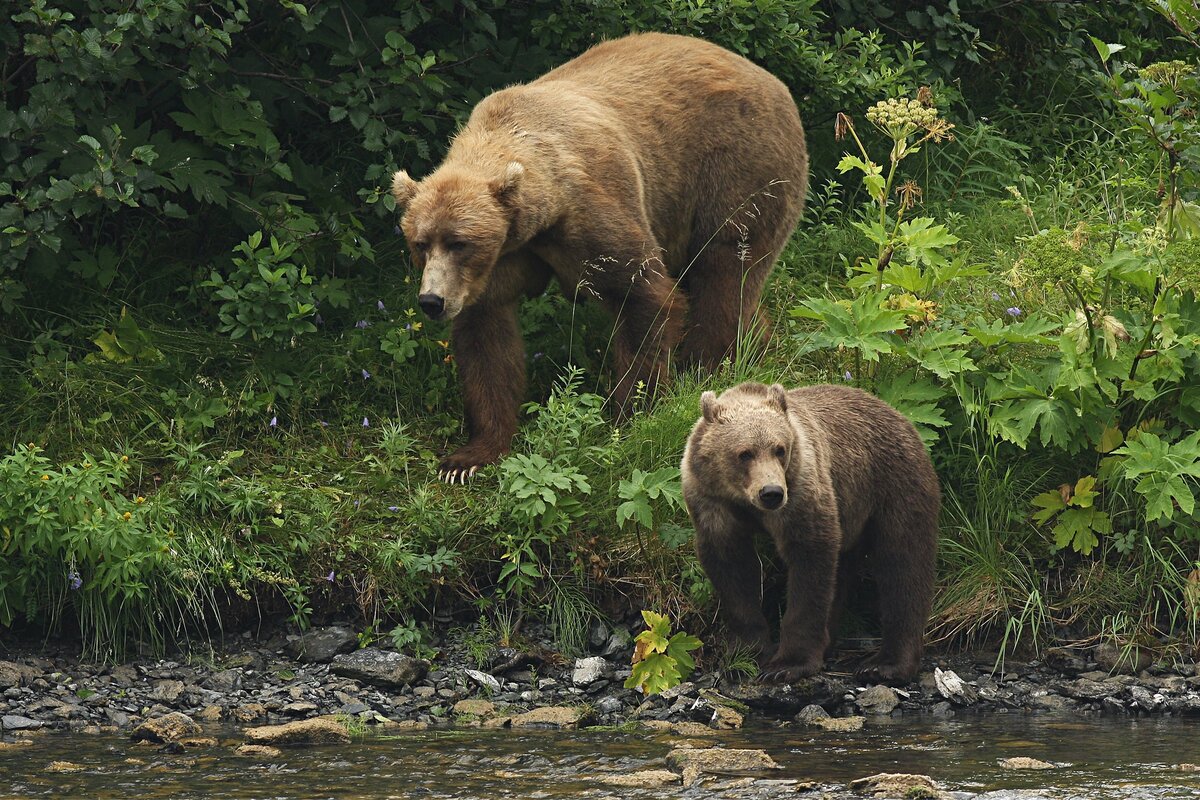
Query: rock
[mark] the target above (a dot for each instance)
(590, 670)
(1145, 699)
(1113, 705)
(1046, 701)
(196, 742)
(1024, 762)
(617, 643)
(786, 700)
(380, 667)
(211, 714)
(321, 645)
(597, 634)
(474, 708)
(878, 700)
(225, 681)
(320, 730)
(1086, 689)
(841, 724)
(1187, 767)
(554, 717)
(249, 712)
(166, 691)
(298, 708)
(1063, 659)
(485, 680)
(259, 751)
(608, 705)
(693, 761)
(64, 766)
(896, 784)
(811, 715)
(10, 675)
(725, 718)
(1128, 660)
(167, 728)
(643, 779)
(16, 722)
(954, 688)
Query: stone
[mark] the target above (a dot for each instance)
(1086, 689)
(485, 680)
(16, 722)
(259, 751)
(725, 718)
(166, 691)
(1024, 762)
(167, 728)
(320, 730)
(694, 761)
(841, 724)
(211, 714)
(618, 643)
(590, 670)
(321, 645)
(1063, 659)
(1187, 767)
(608, 705)
(642, 779)
(196, 742)
(597, 634)
(879, 699)
(249, 712)
(10, 675)
(225, 681)
(787, 699)
(474, 708)
(896, 784)
(64, 766)
(1128, 660)
(1145, 699)
(19, 743)
(298, 708)
(554, 717)
(954, 688)
(380, 667)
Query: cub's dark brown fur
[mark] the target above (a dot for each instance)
(831, 474)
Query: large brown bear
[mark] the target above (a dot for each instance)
(832, 475)
(660, 174)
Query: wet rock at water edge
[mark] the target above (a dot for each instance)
(64, 766)
(481, 709)
(167, 691)
(1024, 762)
(643, 779)
(787, 699)
(261, 752)
(589, 670)
(1064, 659)
(880, 700)
(817, 717)
(1128, 660)
(1145, 699)
(1087, 689)
(554, 717)
(167, 728)
(485, 680)
(954, 688)
(380, 667)
(897, 784)
(322, 645)
(16, 722)
(321, 730)
(692, 762)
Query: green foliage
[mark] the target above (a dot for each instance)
(266, 295)
(642, 490)
(660, 659)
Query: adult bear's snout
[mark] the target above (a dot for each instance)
(771, 496)
(432, 304)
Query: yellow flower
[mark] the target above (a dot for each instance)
(140, 499)
(444, 343)
(417, 325)
(127, 516)
(45, 477)
(449, 357)
(124, 459)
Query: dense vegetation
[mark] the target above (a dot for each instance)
(222, 402)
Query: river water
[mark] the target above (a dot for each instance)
(1099, 759)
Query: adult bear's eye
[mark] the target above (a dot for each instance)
(456, 247)
(419, 248)
(746, 455)
(780, 452)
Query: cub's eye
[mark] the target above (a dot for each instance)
(746, 455)
(780, 452)
(456, 247)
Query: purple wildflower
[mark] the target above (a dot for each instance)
(396, 230)
(317, 318)
(381, 306)
(408, 327)
(847, 376)
(274, 422)
(362, 323)
(366, 375)
(356, 504)
(74, 581)
(995, 296)
(393, 508)
(537, 355)
(329, 577)
(324, 424)
(1013, 311)
(366, 422)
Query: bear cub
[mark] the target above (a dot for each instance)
(834, 476)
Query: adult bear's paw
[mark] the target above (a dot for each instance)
(780, 672)
(874, 670)
(461, 465)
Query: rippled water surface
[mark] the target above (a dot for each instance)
(1105, 759)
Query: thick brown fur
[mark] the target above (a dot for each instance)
(661, 174)
(856, 483)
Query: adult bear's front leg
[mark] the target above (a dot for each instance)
(490, 356)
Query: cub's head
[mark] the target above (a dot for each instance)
(743, 444)
(456, 222)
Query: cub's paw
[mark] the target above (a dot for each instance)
(776, 672)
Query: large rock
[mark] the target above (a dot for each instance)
(896, 784)
(321, 730)
(261, 752)
(10, 675)
(167, 728)
(320, 646)
(16, 722)
(590, 670)
(1087, 689)
(879, 699)
(1025, 762)
(694, 761)
(954, 688)
(380, 667)
(167, 691)
(1112, 658)
(554, 717)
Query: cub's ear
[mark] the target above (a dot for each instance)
(778, 395)
(403, 189)
(709, 408)
(505, 187)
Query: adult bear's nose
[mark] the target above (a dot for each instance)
(771, 496)
(432, 304)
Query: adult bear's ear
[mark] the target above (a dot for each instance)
(778, 395)
(709, 408)
(505, 187)
(403, 189)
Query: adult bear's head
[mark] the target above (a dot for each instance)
(746, 443)
(456, 222)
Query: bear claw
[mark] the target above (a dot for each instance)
(459, 475)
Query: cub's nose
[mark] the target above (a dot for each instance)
(432, 304)
(771, 496)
